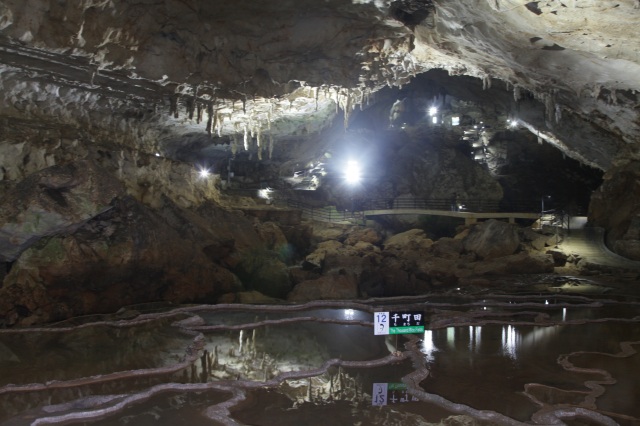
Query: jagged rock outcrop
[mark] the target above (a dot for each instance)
(127, 255)
(56, 200)
(409, 263)
(492, 239)
(328, 287)
(614, 207)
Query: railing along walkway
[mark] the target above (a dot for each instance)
(471, 211)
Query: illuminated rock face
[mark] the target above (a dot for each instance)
(147, 73)
(148, 90)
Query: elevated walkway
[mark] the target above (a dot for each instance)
(471, 212)
(469, 217)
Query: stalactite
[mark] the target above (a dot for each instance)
(270, 146)
(517, 94)
(596, 91)
(347, 109)
(244, 105)
(246, 138)
(558, 113)
(316, 94)
(337, 99)
(259, 137)
(486, 82)
(549, 106)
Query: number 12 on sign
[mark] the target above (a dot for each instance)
(381, 323)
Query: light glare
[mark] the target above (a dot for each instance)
(204, 173)
(433, 111)
(352, 172)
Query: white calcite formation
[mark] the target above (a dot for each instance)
(150, 71)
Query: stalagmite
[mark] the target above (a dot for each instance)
(219, 119)
(190, 108)
(199, 112)
(214, 124)
(234, 144)
(209, 126)
(173, 105)
(240, 342)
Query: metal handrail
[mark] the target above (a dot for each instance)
(331, 214)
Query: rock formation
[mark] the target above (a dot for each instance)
(134, 137)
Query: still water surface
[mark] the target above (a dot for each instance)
(478, 362)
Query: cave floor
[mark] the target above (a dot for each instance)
(536, 349)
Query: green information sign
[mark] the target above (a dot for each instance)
(398, 323)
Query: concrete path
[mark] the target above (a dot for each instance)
(588, 242)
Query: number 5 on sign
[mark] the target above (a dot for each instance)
(381, 323)
(379, 394)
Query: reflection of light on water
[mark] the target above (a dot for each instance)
(451, 337)
(475, 337)
(510, 341)
(538, 337)
(349, 314)
(428, 347)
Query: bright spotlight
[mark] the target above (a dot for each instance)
(352, 172)
(512, 123)
(265, 193)
(433, 111)
(204, 173)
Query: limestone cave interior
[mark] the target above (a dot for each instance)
(217, 212)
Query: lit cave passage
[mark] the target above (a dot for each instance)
(205, 206)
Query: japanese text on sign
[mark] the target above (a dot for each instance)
(398, 322)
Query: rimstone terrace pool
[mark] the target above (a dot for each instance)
(494, 359)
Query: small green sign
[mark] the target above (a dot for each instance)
(407, 330)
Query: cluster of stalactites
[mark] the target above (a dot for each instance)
(553, 110)
(388, 62)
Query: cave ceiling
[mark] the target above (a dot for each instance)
(149, 73)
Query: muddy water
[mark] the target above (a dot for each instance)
(480, 361)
